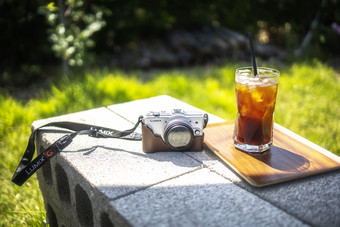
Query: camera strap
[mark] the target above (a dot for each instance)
(27, 167)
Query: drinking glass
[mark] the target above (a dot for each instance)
(256, 98)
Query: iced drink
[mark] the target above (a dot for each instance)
(256, 97)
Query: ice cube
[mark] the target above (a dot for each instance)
(257, 96)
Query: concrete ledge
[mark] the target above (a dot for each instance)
(107, 182)
(200, 198)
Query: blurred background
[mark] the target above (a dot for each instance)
(36, 35)
(64, 56)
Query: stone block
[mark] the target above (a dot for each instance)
(111, 182)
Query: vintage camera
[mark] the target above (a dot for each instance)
(177, 130)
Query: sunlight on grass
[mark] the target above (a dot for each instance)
(307, 104)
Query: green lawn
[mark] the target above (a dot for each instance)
(308, 103)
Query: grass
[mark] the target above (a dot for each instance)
(307, 103)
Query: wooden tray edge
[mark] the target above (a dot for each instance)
(255, 184)
(307, 142)
(314, 146)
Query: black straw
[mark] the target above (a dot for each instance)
(252, 53)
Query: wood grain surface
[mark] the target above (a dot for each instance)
(287, 159)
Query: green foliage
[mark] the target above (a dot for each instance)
(80, 31)
(72, 28)
(19, 206)
(134, 20)
(23, 42)
(307, 104)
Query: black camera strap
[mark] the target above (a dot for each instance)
(27, 167)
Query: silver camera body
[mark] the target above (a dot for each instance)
(177, 128)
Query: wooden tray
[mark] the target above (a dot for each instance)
(288, 158)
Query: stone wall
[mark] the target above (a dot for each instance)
(190, 47)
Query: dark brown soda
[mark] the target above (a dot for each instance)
(255, 104)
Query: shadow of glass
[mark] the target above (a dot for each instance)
(282, 159)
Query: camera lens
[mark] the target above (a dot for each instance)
(178, 135)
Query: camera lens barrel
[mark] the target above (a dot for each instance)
(178, 135)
